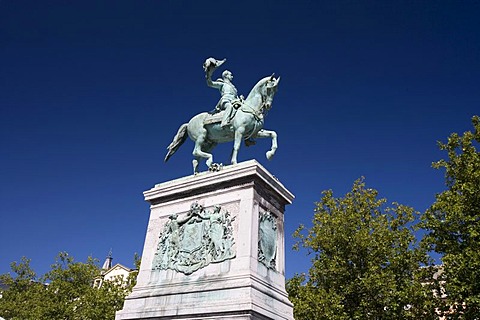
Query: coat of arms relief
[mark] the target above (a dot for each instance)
(267, 239)
(193, 242)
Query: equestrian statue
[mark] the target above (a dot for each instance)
(233, 119)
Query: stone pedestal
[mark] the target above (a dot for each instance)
(241, 275)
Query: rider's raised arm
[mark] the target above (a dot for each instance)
(214, 84)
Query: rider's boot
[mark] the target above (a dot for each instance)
(226, 116)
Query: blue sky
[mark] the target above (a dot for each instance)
(92, 92)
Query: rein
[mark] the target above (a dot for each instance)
(257, 114)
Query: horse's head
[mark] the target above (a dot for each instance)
(261, 96)
(268, 91)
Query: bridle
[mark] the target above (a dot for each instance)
(263, 110)
(257, 114)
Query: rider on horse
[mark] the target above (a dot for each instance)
(226, 88)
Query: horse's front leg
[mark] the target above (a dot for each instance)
(236, 143)
(269, 134)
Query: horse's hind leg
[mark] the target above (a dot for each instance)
(207, 147)
(199, 153)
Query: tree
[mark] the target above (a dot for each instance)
(366, 261)
(19, 300)
(453, 223)
(65, 292)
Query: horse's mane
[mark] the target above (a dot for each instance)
(257, 87)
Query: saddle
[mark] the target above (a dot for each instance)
(216, 116)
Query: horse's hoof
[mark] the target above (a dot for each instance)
(270, 155)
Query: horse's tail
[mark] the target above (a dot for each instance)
(178, 140)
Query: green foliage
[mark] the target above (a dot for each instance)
(453, 222)
(18, 302)
(66, 292)
(366, 261)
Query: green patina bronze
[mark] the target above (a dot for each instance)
(233, 119)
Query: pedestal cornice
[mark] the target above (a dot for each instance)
(242, 173)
